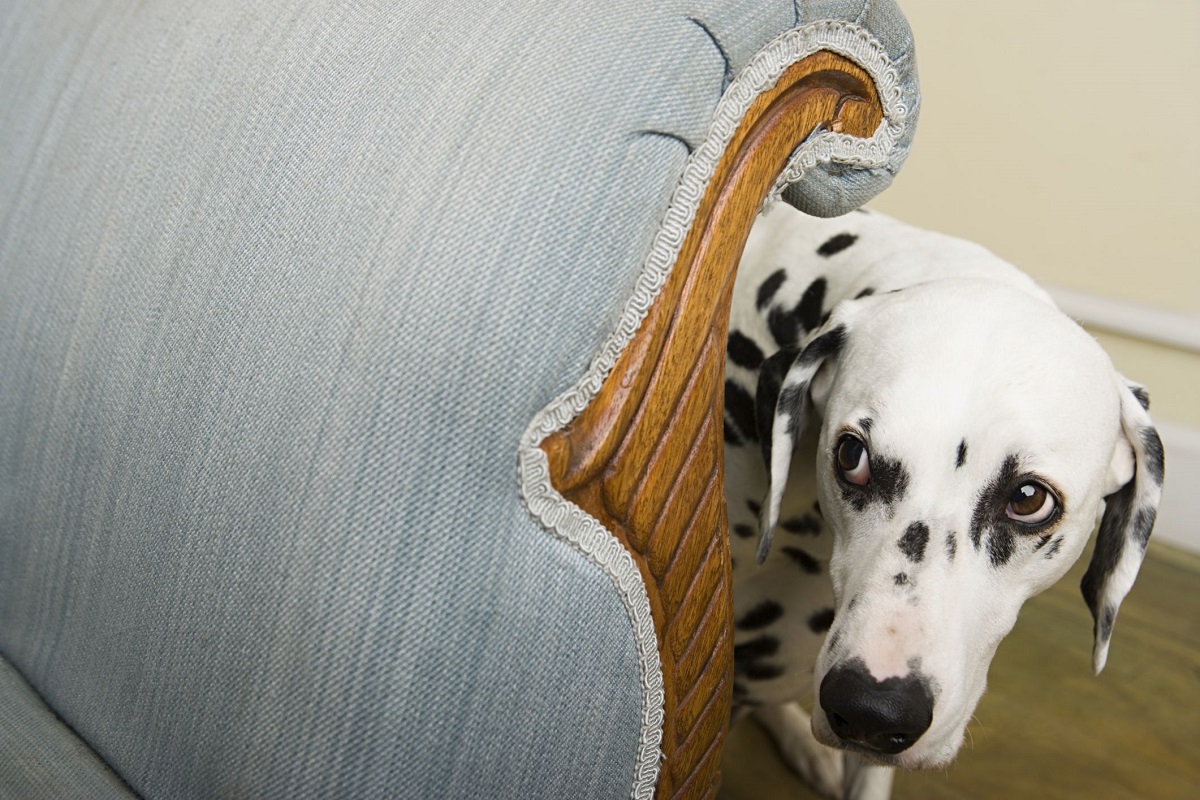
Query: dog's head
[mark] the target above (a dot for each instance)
(971, 437)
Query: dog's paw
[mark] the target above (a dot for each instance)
(866, 781)
(819, 766)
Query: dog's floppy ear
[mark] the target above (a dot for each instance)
(781, 409)
(1128, 518)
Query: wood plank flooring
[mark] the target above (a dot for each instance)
(1046, 728)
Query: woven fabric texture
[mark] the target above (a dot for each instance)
(40, 758)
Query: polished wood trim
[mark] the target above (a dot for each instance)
(645, 457)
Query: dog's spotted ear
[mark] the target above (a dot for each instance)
(781, 409)
(1128, 518)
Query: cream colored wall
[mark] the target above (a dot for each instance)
(1065, 136)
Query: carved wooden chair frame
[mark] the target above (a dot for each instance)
(645, 457)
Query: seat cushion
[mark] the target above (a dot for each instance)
(281, 286)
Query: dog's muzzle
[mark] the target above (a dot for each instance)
(886, 716)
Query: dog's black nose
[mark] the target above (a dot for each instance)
(886, 716)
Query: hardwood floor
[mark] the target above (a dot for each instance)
(1046, 728)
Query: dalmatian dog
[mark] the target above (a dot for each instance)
(917, 441)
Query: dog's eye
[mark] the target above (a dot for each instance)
(852, 460)
(1031, 504)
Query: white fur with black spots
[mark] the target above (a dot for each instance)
(917, 441)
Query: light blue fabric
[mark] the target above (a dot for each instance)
(833, 190)
(280, 286)
(40, 758)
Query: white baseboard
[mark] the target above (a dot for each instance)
(1152, 323)
(1179, 511)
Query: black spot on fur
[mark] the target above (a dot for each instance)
(1110, 543)
(834, 639)
(762, 615)
(805, 561)
(744, 531)
(1001, 544)
(867, 292)
(1052, 550)
(992, 499)
(962, 454)
(788, 327)
(865, 423)
(759, 671)
(837, 244)
(890, 479)
(731, 435)
(791, 402)
(804, 525)
(743, 351)
(768, 288)
(951, 545)
(741, 697)
(766, 396)
(826, 345)
(784, 327)
(748, 658)
(1106, 623)
(808, 310)
(913, 542)
(739, 408)
(1143, 523)
(888, 484)
(853, 602)
(821, 621)
(754, 649)
(1154, 454)
(989, 514)
(900, 578)
(1042, 541)
(1142, 397)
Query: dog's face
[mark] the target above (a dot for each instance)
(970, 435)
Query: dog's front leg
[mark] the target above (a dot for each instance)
(791, 728)
(866, 781)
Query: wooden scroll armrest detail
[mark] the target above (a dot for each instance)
(645, 457)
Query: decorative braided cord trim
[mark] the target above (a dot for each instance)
(571, 523)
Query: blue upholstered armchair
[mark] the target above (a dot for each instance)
(360, 381)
